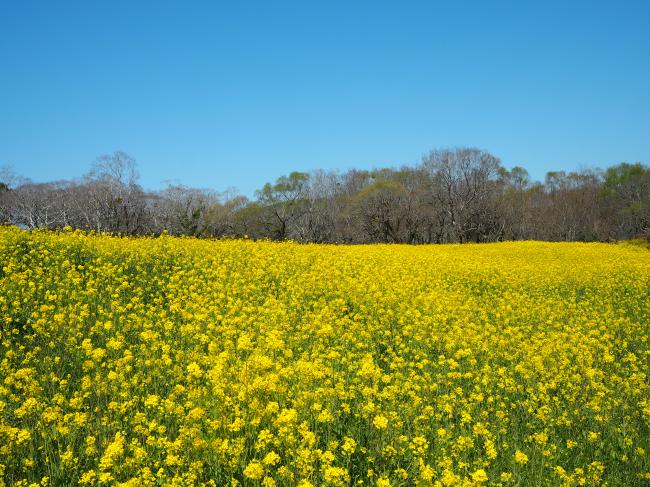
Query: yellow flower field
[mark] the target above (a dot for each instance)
(177, 361)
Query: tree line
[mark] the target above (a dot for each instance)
(453, 195)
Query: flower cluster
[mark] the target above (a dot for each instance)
(178, 361)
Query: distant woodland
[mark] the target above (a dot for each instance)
(455, 195)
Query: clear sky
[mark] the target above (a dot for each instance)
(218, 94)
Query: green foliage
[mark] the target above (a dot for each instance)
(625, 173)
(286, 188)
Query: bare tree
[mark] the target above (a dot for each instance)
(378, 211)
(317, 221)
(185, 209)
(454, 195)
(221, 216)
(464, 187)
(7, 184)
(115, 201)
(38, 205)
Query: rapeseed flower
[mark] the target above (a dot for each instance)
(178, 361)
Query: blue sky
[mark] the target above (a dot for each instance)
(219, 94)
